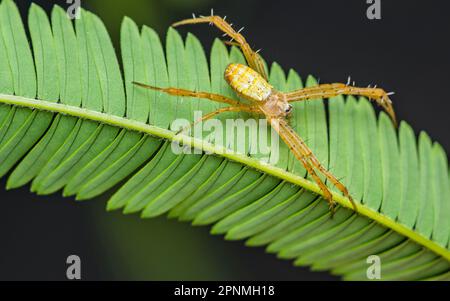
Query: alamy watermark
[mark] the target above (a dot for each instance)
(248, 137)
(73, 271)
(73, 11)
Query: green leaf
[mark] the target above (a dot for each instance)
(70, 120)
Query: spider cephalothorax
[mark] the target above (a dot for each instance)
(250, 82)
(276, 105)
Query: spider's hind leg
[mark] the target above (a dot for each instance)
(252, 57)
(380, 96)
(210, 115)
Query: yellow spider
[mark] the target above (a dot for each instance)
(251, 83)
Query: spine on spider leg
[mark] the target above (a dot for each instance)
(302, 153)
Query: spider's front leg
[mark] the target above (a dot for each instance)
(302, 152)
(252, 57)
(332, 90)
(188, 93)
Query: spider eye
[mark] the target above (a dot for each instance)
(288, 109)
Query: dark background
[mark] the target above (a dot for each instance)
(407, 51)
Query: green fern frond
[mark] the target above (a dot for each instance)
(70, 120)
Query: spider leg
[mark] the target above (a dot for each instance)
(240, 108)
(189, 93)
(231, 43)
(252, 57)
(304, 154)
(331, 90)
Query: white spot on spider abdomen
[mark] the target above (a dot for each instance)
(247, 82)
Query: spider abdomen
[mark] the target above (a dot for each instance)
(247, 82)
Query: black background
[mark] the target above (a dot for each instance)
(407, 51)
